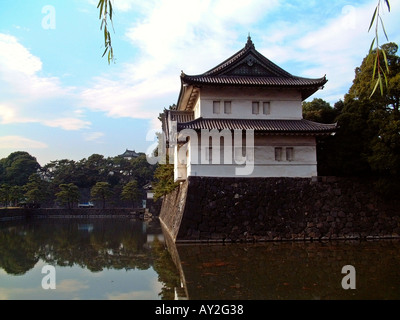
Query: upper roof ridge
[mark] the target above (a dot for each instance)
(249, 43)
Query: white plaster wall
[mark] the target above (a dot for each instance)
(285, 104)
(197, 161)
(197, 109)
(278, 170)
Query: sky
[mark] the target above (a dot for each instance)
(60, 99)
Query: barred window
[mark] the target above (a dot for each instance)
(227, 107)
(216, 107)
(266, 108)
(256, 107)
(289, 154)
(278, 154)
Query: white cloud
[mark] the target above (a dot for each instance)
(93, 136)
(68, 124)
(16, 57)
(172, 36)
(18, 142)
(8, 115)
(28, 97)
(334, 46)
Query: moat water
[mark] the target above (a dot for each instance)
(126, 259)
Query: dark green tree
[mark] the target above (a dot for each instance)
(68, 194)
(17, 168)
(16, 195)
(5, 190)
(367, 143)
(101, 191)
(164, 180)
(318, 110)
(131, 192)
(36, 190)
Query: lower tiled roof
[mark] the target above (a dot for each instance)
(266, 126)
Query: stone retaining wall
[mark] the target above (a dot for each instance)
(267, 209)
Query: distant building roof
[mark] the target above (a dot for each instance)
(129, 154)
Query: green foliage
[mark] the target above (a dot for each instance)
(106, 16)
(35, 190)
(63, 244)
(131, 192)
(380, 65)
(17, 167)
(385, 147)
(101, 191)
(319, 110)
(5, 194)
(363, 84)
(164, 180)
(168, 274)
(68, 194)
(368, 140)
(85, 173)
(16, 195)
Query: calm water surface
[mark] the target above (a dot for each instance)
(129, 259)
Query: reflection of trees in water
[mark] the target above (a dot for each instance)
(111, 244)
(167, 273)
(18, 253)
(103, 244)
(95, 244)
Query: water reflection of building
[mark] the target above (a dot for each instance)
(286, 270)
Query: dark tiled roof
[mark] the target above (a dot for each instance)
(266, 126)
(248, 67)
(181, 116)
(255, 81)
(129, 154)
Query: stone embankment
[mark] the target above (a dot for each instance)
(252, 209)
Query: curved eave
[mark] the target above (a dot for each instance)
(254, 81)
(267, 127)
(307, 86)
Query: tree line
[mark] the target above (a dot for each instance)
(367, 143)
(67, 182)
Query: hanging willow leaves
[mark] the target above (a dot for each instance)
(106, 15)
(379, 71)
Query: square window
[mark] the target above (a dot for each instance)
(216, 107)
(227, 107)
(289, 154)
(266, 108)
(278, 154)
(256, 108)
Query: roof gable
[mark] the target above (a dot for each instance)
(248, 62)
(248, 67)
